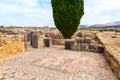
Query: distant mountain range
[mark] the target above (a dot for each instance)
(83, 26)
(110, 24)
(117, 23)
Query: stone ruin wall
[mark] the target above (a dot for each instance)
(112, 55)
(11, 45)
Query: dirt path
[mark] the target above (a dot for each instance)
(55, 64)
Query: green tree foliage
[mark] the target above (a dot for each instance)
(67, 15)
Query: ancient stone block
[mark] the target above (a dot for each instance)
(115, 66)
(79, 34)
(114, 36)
(32, 32)
(79, 40)
(25, 40)
(88, 40)
(74, 46)
(47, 42)
(58, 41)
(84, 46)
(35, 40)
(100, 49)
(41, 42)
(48, 35)
(28, 36)
(92, 47)
(69, 43)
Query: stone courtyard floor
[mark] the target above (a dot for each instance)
(56, 64)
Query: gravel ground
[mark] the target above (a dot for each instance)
(56, 64)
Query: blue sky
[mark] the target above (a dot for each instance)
(39, 12)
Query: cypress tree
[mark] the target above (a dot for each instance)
(67, 15)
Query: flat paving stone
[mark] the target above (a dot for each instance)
(56, 64)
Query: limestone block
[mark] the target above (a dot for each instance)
(41, 42)
(114, 36)
(47, 42)
(100, 49)
(48, 35)
(79, 40)
(93, 47)
(84, 46)
(31, 33)
(35, 40)
(88, 40)
(74, 46)
(79, 34)
(69, 43)
(28, 36)
(25, 40)
(58, 41)
(115, 66)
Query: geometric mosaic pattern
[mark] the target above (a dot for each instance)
(56, 64)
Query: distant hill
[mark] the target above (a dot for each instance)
(110, 24)
(83, 26)
(113, 23)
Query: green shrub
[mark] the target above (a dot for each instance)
(67, 15)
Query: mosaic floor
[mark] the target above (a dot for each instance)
(56, 64)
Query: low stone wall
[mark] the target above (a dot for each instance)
(111, 51)
(114, 62)
(58, 42)
(11, 45)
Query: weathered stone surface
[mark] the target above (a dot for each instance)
(113, 63)
(31, 33)
(87, 40)
(48, 35)
(35, 38)
(11, 45)
(41, 42)
(69, 43)
(58, 42)
(113, 36)
(93, 47)
(84, 47)
(25, 40)
(79, 40)
(28, 36)
(47, 42)
(74, 46)
(1, 76)
(112, 50)
(100, 49)
(80, 34)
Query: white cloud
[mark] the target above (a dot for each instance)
(101, 11)
(26, 12)
(39, 12)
